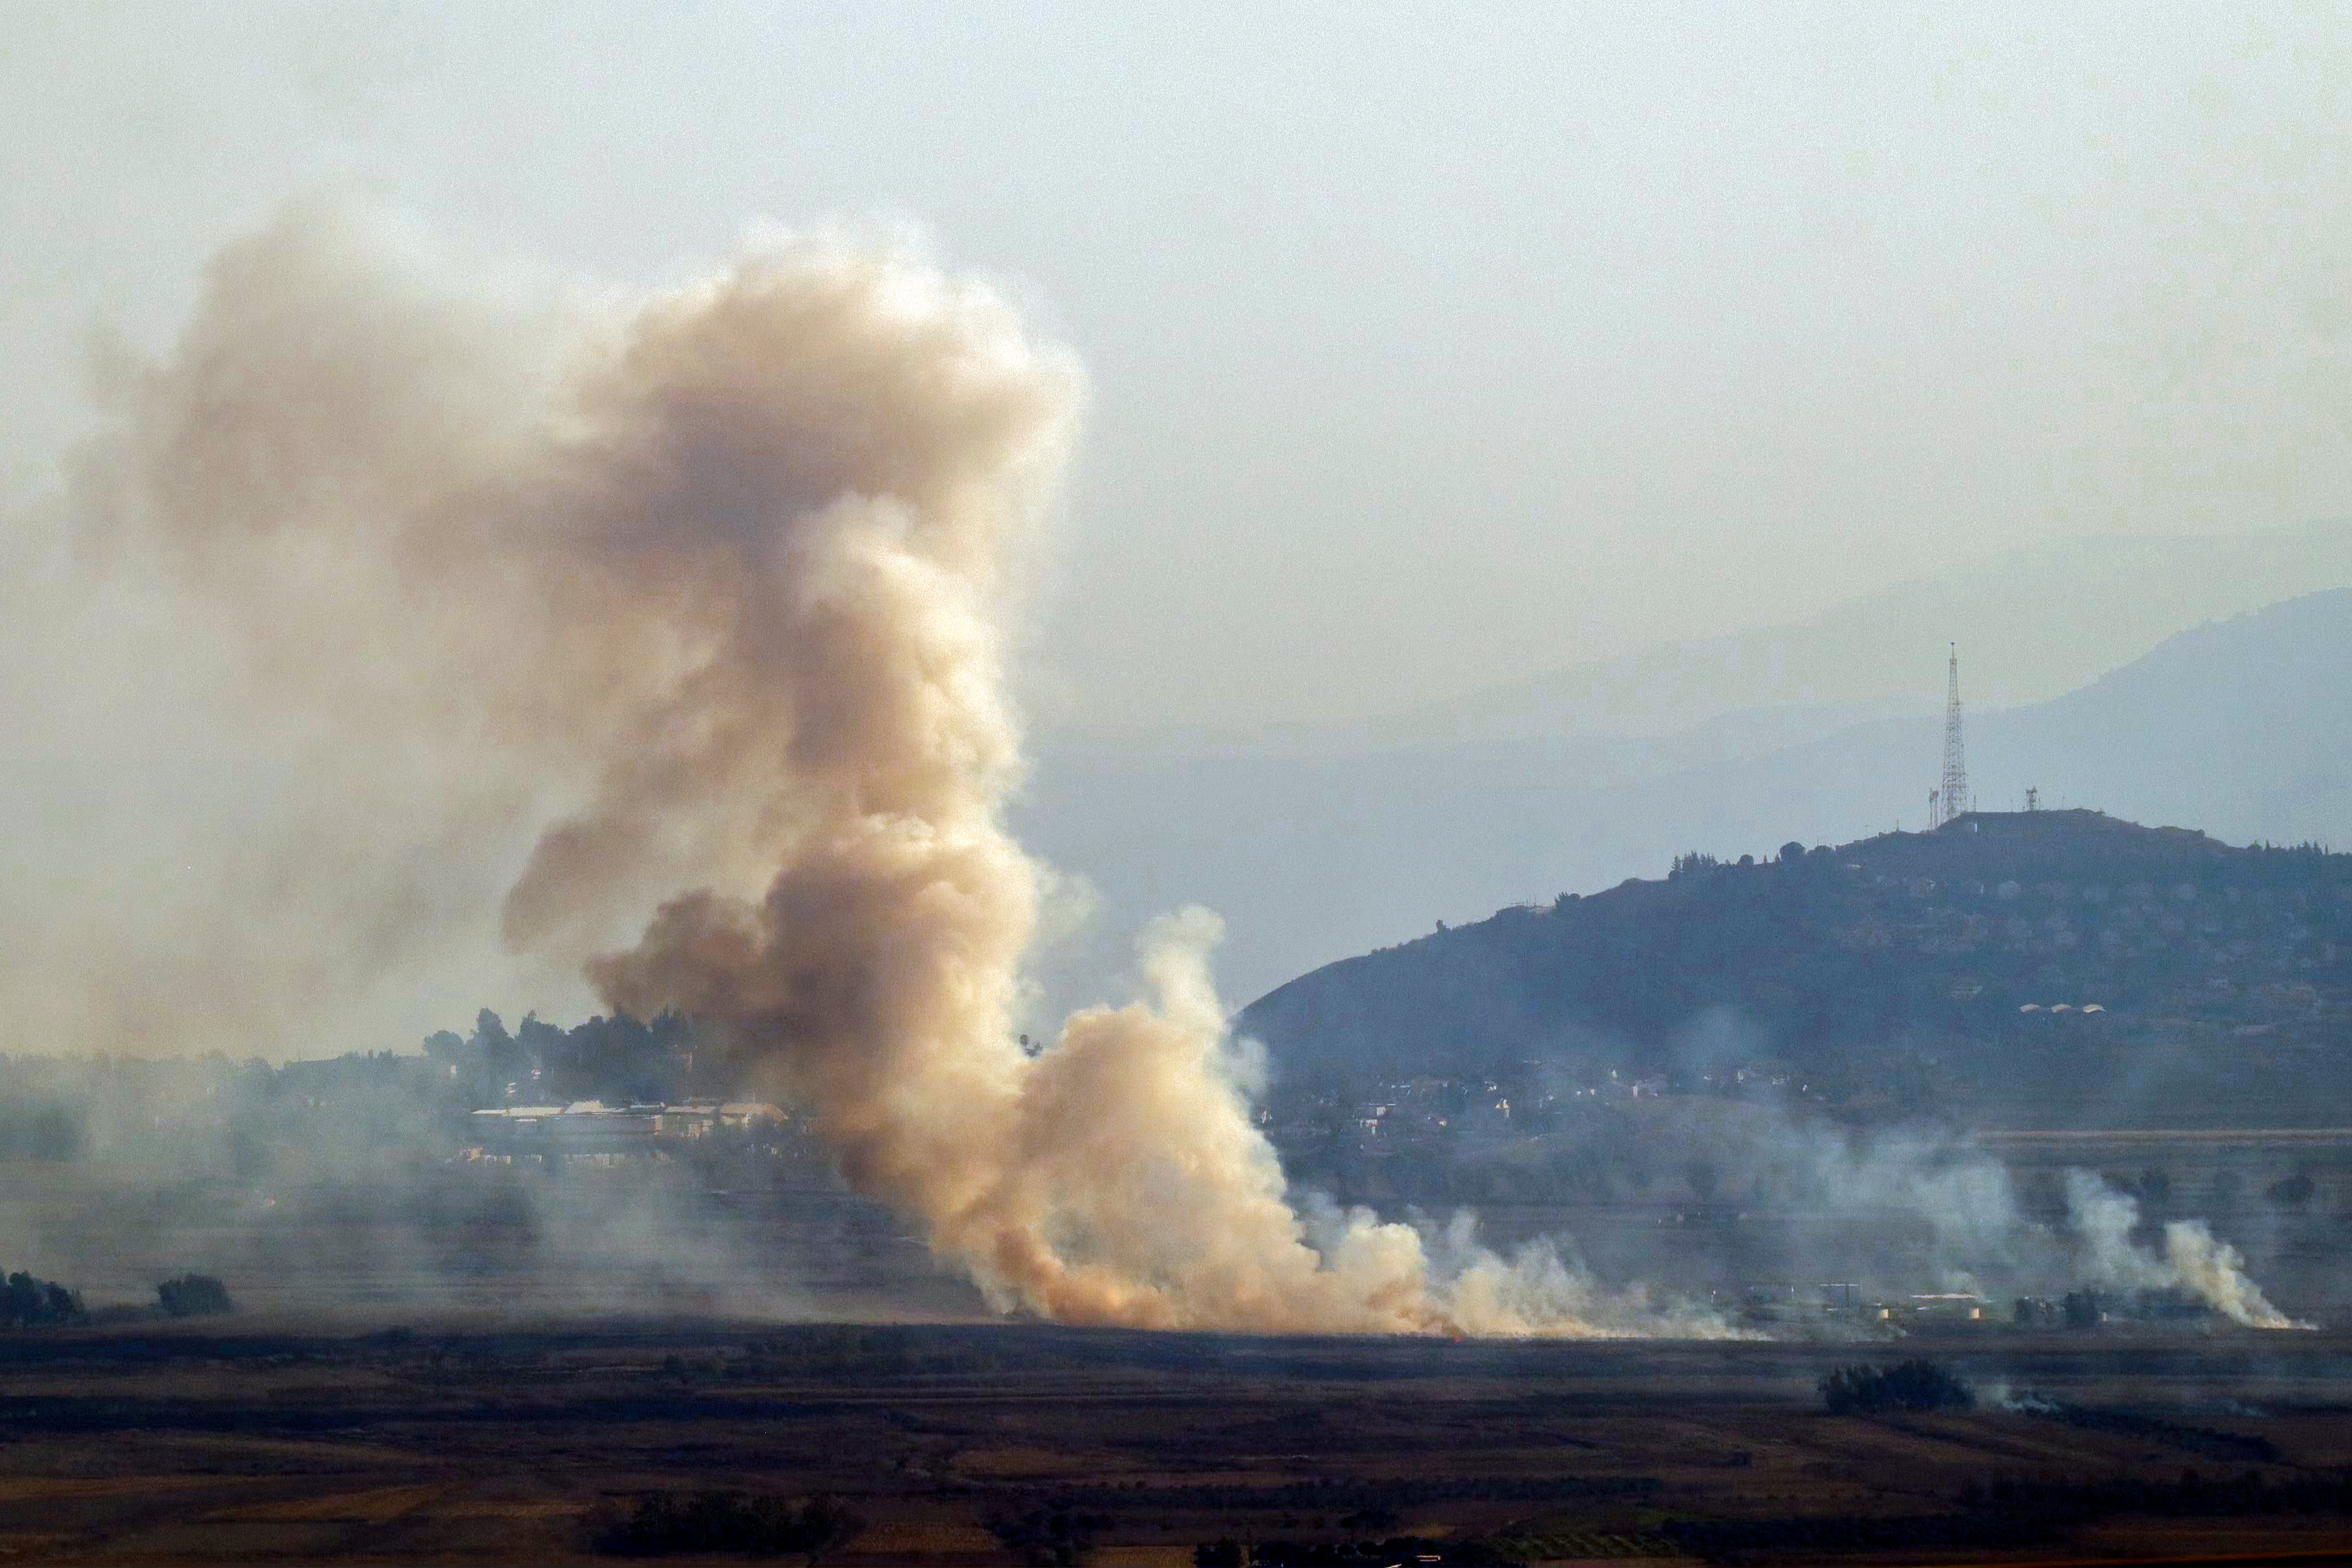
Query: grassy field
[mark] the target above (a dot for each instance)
(449, 1369)
(450, 1442)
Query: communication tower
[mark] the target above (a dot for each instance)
(1953, 799)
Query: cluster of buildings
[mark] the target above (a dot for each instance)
(1761, 1306)
(605, 1134)
(1837, 1301)
(1431, 1111)
(1430, 1106)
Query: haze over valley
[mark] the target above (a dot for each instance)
(1025, 787)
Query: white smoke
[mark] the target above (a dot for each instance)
(1974, 1235)
(2103, 1220)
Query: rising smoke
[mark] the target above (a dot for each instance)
(722, 578)
(708, 597)
(1936, 1207)
(2194, 1260)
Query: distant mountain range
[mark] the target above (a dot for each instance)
(2239, 727)
(2031, 625)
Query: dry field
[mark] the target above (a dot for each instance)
(449, 1442)
(461, 1371)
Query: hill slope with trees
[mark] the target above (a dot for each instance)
(2236, 727)
(2059, 966)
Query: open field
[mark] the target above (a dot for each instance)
(375, 1248)
(459, 1366)
(379, 1249)
(447, 1442)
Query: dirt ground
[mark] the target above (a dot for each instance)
(251, 1439)
(461, 1368)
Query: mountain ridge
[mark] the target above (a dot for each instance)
(1312, 858)
(2011, 613)
(2007, 963)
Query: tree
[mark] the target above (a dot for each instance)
(2293, 1192)
(194, 1296)
(492, 1042)
(1702, 1178)
(1907, 1386)
(30, 1303)
(713, 1522)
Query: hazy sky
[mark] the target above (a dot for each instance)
(1428, 347)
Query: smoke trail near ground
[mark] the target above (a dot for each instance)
(2193, 1259)
(1957, 1207)
(723, 578)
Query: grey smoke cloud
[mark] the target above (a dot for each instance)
(1938, 1209)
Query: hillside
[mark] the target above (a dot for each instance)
(2059, 965)
(2237, 726)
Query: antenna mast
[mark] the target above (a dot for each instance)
(1955, 792)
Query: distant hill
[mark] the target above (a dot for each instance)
(2240, 727)
(2059, 965)
(2020, 618)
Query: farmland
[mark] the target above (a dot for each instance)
(452, 1441)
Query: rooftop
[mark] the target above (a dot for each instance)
(2078, 820)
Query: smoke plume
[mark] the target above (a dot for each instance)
(1937, 1209)
(713, 589)
(2194, 1260)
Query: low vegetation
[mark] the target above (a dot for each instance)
(2248, 1494)
(1047, 1536)
(2209, 1442)
(1915, 1385)
(1473, 1553)
(1743, 1540)
(665, 1525)
(194, 1296)
(31, 1304)
(1370, 1503)
(1558, 1544)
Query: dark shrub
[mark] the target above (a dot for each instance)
(31, 1304)
(1053, 1535)
(727, 1521)
(2293, 1192)
(194, 1296)
(2249, 1493)
(1908, 1385)
(1457, 1553)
